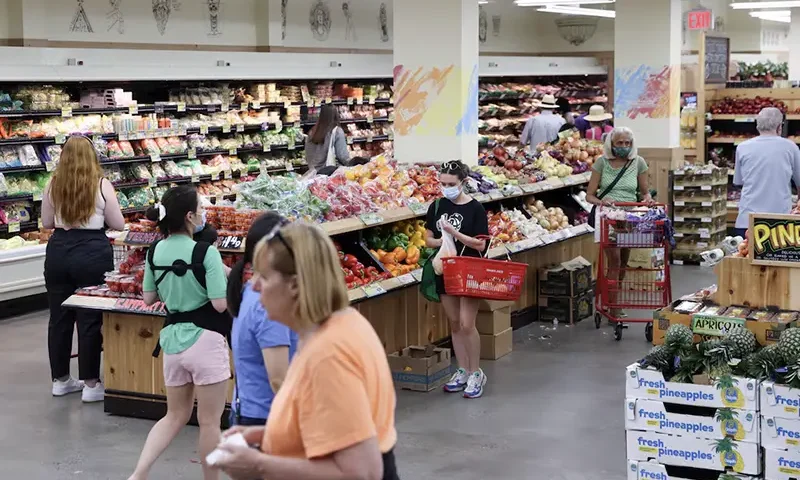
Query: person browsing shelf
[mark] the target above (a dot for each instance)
(262, 348)
(78, 203)
(326, 145)
(464, 218)
(598, 123)
(542, 128)
(189, 278)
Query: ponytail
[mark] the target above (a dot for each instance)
(235, 285)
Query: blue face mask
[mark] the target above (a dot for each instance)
(621, 152)
(451, 193)
(199, 228)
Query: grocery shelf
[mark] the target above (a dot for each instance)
(207, 153)
(353, 120)
(17, 198)
(201, 178)
(21, 227)
(34, 168)
(744, 118)
(733, 140)
(376, 138)
(689, 152)
(49, 140)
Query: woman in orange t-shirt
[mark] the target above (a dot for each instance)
(333, 417)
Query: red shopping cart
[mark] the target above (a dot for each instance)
(633, 288)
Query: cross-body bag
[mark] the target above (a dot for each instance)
(606, 191)
(331, 161)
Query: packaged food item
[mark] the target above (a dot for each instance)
(157, 171)
(712, 310)
(786, 317)
(150, 147)
(760, 315)
(114, 150)
(127, 149)
(688, 307)
(140, 172)
(113, 173)
(100, 145)
(171, 169)
(737, 312)
(176, 145)
(10, 157)
(163, 146)
(140, 197)
(54, 153)
(123, 200)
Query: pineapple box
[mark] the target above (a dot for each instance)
(652, 415)
(656, 471)
(779, 401)
(687, 451)
(781, 464)
(780, 433)
(724, 392)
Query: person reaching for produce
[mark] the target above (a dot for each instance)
(620, 175)
(189, 278)
(262, 348)
(598, 123)
(333, 418)
(765, 166)
(464, 218)
(565, 110)
(542, 128)
(326, 145)
(78, 202)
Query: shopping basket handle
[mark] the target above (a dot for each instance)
(638, 204)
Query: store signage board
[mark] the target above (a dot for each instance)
(370, 219)
(134, 305)
(699, 19)
(230, 242)
(775, 239)
(419, 208)
(717, 56)
(715, 325)
(141, 238)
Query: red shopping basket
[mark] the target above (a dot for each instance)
(483, 278)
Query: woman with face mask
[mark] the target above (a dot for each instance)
(620, 175)
(189, 278)
(465, 219)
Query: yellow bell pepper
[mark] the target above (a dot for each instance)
(409, 229)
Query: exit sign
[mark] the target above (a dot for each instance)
(699, 20)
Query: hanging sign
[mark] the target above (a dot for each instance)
(716, 58)
(700, 19)
(775, 239)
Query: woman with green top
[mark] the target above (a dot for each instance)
(190, 279)
(620, 175)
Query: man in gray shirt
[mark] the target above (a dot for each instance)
(765, 166)
(544, 127)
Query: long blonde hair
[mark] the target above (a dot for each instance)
(74, 186)
(313, 258)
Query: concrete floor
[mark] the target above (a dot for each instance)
(552, 410)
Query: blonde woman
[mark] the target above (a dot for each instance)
(333, 417)
(78, 202)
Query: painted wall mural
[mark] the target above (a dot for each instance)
(483, 25)
(383, 21)
(80, 21)
(162, 9)
(468, 125)
(350, 31)
(115, 17)
(319, 19)
(213, 18)
(416, 91)
(284, 4)
(646, 91)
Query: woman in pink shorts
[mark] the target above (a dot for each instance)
(189, 278)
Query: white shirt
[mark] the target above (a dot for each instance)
(542, 128)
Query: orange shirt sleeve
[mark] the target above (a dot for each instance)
(335, 412)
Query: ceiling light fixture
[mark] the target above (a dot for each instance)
(783, 16)
(556, 3)
(761, 5)
(589, 12)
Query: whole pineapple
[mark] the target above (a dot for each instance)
(762, 364)
(659, 357)
(716, 355)
(742, 342)
(678, 338)
(789, 345)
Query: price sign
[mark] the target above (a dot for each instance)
(496, 195)
(278, 126)
(349, 140)
(228, 174)
(244, 106)
(310, 104)
(232, 151)
(195, 178)
(133, 109)
(706, 187)
(287, 103)
(158, 108)
(240, 127)
(391, 117)
(37, 197)
(66, 111)
(297, 124)
(215, 176)
(155, 157)
(141, 238)
(370, 219)
(370, 137)
(96, 138)
(288, 166)
(204, 129)
(406, 279)
(481, 197)
(679, 219)
(61, 139)
(226, 127)
(264, 127)
(350, 100)
(49, 166)
(328, 100)
(152, 182)
(290, 145)
(267, 147)
(706, 220)
(373, 290)
(134, 305)
(224, 107)
(419, 208)
(256, 105)
(230, 242)
(359, 100)
(372, 100)
(680, 203)
(390, 136)
(417, 274)
(13, 227)
(181, 106)
(529, 188)
(210, 108)
(370, 119)
(191, 153)
(39, 223)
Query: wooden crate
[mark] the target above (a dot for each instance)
(759, 286)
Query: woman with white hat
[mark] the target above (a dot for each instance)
(542, 128)
(598, 123)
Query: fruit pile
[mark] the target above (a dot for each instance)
(401, 248)
(127, 281)
(355, 273)
(745, 106)
(575, 151)
(551, 219)
(503, 229)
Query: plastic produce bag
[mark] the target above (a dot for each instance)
(448, 249)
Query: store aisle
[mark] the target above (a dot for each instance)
(553, 409)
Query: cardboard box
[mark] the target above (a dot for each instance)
(492, 323)
(651, 385)
(420, 368)
(781, 464)
(493, 305)
(656, 471)
(567, 279)
(652, 416)
(779, 401)
(687, 451)
(566, 309)
(780, 433)
(496, 346)
(767, 333)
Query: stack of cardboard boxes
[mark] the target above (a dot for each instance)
(565, 291)
(494, 326)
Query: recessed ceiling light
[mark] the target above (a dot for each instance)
(589, 12)
(783, 16)
(760, 5)
(557, 3)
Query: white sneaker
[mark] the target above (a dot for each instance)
(94, 394)
(475, 384)
(70, 385)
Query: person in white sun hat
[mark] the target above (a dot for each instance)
(598, 123)
(542, 128)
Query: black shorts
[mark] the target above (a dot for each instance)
(440, 285)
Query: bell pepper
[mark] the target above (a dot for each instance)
(412, 255)
(393, 242)
(349, 261)
(399, 254)
(403, 240)
(375, 241)
(389, 259)
(409, 230)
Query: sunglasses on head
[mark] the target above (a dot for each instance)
(276, 234)
(451, 166)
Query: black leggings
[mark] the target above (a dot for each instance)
(75, 259)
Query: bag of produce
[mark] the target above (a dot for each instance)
(448, 249)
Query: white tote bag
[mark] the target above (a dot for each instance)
(331, 160)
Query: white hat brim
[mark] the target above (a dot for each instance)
(598, 118)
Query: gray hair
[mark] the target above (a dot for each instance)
(769, 119)
(619, 132)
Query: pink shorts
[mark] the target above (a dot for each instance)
(205, 363)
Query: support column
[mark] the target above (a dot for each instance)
(794, 46)
(647, 63)
(436, 80)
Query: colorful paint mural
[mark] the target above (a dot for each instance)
(416, 92)
(468, 125)
(646, 91)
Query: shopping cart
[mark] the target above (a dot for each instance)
(633, 288)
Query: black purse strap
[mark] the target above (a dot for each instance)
(616, 180)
